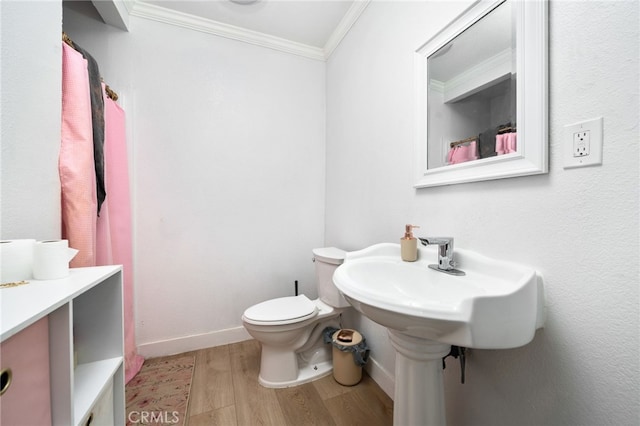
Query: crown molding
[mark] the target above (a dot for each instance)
(488, 72)
(344, 26)
(209, 26)
(179, 19)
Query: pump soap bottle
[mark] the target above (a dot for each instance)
(409, 245)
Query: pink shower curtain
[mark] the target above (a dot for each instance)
(114, 244)
(103, 240)
(76, 165)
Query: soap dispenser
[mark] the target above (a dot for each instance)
(409, 245)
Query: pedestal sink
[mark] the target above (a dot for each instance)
(495, 305)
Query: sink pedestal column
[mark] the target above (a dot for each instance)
(419, 391)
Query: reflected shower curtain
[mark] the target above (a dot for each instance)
(114, 245)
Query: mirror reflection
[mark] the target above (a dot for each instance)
(471, 89)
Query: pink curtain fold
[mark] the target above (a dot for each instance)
(506, 143)
(463, 153)
(512, 142)
(114, 244)
(76, 163)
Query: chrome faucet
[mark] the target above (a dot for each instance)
(446, 263)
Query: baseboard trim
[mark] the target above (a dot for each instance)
(382, 377)
(193, 342)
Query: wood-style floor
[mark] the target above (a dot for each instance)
(225, 391)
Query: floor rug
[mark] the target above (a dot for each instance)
(159, 393)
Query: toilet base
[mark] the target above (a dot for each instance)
(306, 374)
(309, 365)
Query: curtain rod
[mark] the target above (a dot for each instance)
(110, 93)
(506, 129)
(460, 142)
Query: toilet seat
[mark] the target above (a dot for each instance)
(283, 310)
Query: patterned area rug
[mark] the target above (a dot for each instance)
(159, 393)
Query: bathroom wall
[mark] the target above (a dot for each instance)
(31, 59)
(578, 227)
(227, 158)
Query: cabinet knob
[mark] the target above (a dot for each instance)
(89, 420)
(5, 380)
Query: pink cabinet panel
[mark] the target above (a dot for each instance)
(26, 400)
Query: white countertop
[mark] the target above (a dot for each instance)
(23, 305)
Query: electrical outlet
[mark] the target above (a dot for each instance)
(583, 143)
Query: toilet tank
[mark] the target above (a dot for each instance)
(327, 259)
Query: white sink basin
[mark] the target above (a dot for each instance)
(496, 305)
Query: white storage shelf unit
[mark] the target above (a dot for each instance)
(86, 343)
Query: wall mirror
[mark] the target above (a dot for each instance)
(481, 95)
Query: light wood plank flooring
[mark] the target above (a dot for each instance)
(225, 391)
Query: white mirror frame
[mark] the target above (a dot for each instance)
(532, 99)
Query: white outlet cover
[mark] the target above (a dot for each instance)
(594, 127)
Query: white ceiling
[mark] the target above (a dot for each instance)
(309, 22)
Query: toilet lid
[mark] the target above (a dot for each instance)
(282, 310)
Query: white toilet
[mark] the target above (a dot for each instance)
(290, 328)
